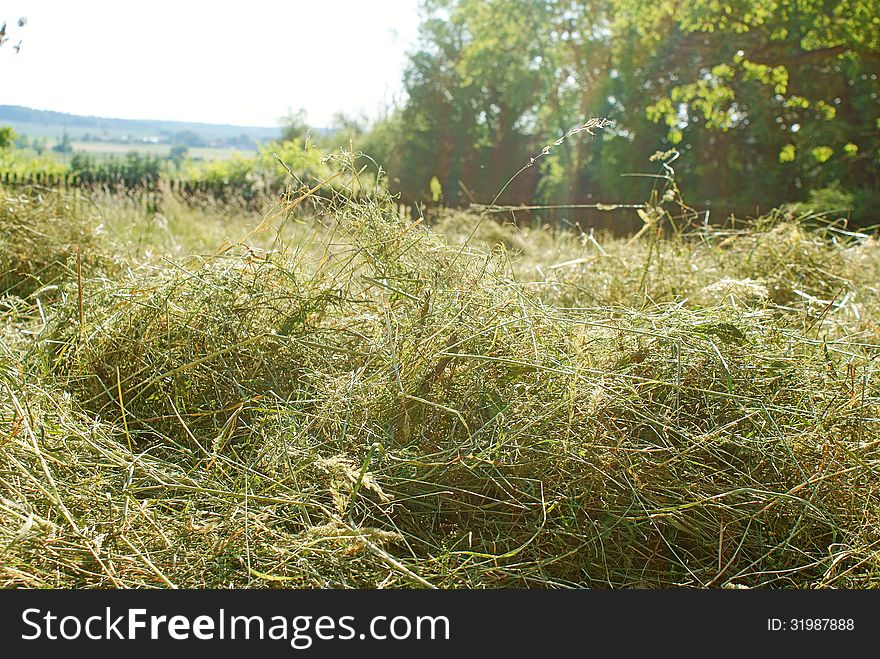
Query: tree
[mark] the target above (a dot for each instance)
(178, 155)
(8, 137)
(241, 142)
(64, 145)
(474, 91)
(4, 37)
(766, 99)
(294, 126)
(188, 138)
(795, 78)
(344, 130)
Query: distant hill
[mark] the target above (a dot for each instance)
(49, 124)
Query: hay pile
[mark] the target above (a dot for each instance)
(44, 239)
(375, 405)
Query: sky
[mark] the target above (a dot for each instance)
(242, 63)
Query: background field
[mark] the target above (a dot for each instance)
(159, 150)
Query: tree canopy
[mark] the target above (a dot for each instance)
(766, 99)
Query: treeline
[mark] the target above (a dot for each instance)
(103, 128)
(131, 170)
(281, 167)
(769, 101)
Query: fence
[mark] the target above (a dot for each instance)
(151, 191)
(119, 182)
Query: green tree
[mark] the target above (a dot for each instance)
(493, 83)
(793, 82)
(178, 155)
(64, 145)
(766, 100)
(188, 138)
(294, 126)
(8, 137)
(475, 90)
(344, 130)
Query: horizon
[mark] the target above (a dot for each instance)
(215, 63)
(145, 119)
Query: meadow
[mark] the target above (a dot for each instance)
(327, 393)
(158, 150)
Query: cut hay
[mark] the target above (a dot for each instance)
(378, 405)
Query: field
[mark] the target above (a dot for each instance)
(158, 150)
(333, 395)
(52, 125)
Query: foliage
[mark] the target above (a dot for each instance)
(294, 126)
(64, 145)
(131, 170)
(306, 162)
(766, 99)
(8, 137)
(178, 155)
(24, 164)
(344, 132)
(276, 167)
(797, 78)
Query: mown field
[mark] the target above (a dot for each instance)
(342, 397)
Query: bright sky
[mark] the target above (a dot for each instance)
(217, 61)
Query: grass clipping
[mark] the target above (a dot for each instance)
(45, 239)
(368, 406)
